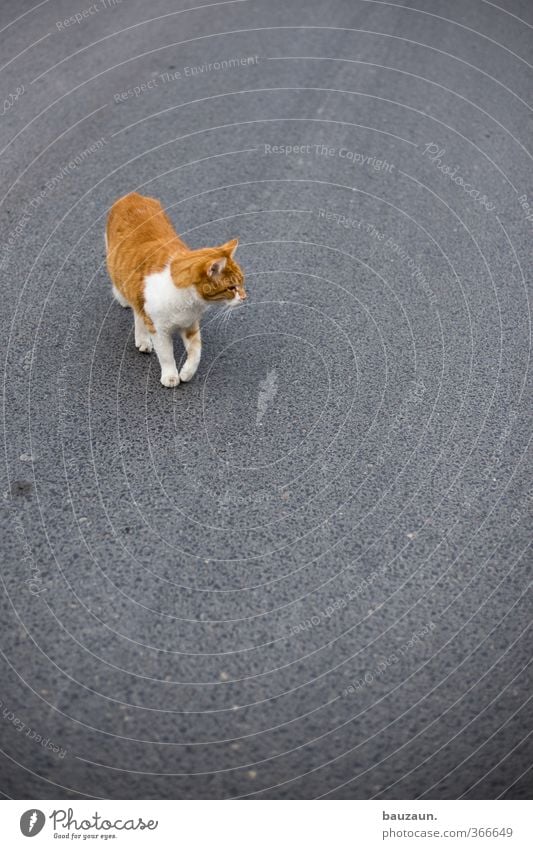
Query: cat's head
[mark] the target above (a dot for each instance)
(220, 277)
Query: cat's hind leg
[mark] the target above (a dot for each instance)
(193, 345)
(143, 340)
(118, 296)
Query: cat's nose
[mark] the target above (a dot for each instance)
(242, 294)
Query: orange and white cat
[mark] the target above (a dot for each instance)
(167, 285)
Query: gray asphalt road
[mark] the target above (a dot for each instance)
(305, 573)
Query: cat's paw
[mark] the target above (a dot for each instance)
(145, 346)
(170, 378)
(187, 372)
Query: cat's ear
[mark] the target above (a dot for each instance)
(215, 266)
(230, 247)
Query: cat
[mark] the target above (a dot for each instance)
(167, 285)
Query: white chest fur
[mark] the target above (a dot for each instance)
(168, 306)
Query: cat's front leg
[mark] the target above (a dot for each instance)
(164, 349)
(193, 345)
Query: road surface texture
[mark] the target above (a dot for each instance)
(305, 573)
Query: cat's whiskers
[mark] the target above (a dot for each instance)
(222, 314)
(218, 320)
(226, 316)
(228, 311)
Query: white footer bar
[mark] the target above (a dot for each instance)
(268, 824)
